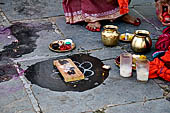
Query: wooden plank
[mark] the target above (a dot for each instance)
(68, 70)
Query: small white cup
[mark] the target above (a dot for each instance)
(142, 69)
(126, 65)
(68, 40)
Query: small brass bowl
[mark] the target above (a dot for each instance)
(51, 47)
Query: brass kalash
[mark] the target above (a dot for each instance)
(141, 42)
(110, 35)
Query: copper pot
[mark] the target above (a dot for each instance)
(141, 42)
(110, 35)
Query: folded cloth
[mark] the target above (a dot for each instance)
(158, 54)
(160, 67)
(164, 40)
(123, 5)
(166, 30)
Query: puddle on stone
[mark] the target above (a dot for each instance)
(46, 75)
(17, 40)
(7, 70)
(25, 38)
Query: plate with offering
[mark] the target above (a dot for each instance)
(62, 45)
(134, 58)
(126, 37)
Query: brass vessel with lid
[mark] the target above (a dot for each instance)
(141, 42)
(110, 35)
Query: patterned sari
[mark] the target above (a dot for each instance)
(90, 10)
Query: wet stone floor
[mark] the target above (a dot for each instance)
(17, 40)
(25, 38)
(20, 39)
(30, 83)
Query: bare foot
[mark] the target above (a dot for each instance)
(131, 20)
(95, 26)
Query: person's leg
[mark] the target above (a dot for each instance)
(94, 26)
(95, 11)
(92, 12)
(130, 20)
(74, 12)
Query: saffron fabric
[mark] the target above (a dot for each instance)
(160, 67)
(93, 10)
(123, 4)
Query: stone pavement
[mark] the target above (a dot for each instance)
(115, 95)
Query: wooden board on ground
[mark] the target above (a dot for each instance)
(68, 70)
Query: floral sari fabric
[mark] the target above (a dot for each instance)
(93, 10)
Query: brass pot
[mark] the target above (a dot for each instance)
(110, 35)
(141, 42)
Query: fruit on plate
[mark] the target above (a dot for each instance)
(126, 37)
(55, 46)
(61, 45)
(135, 57)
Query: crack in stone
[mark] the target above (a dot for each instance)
(54, 56)
(34, 19)
(1, 3)
(158, 29)
(113, 58)
(166, 89)
(4, 19)
(29, 20)
(54, 25)
(90, 50)
(102, 110)
(30, 94)
(4, 16)
(163, 86)
(23, 110)
(45, 57)
(143, 4)
(13, 103)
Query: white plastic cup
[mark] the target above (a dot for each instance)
(142, 69)
(126, 65)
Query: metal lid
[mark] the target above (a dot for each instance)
(142, 32)
(110, 27)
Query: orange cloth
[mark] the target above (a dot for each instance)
(123, 5)
(161, 68)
